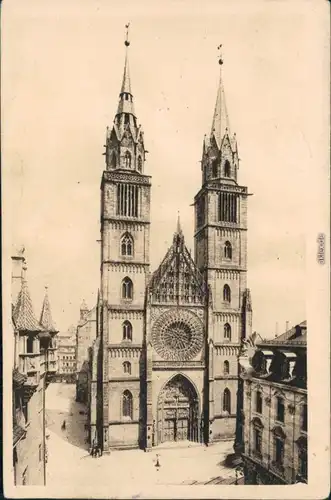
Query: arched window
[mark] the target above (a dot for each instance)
(127, 404)
(127, 159)
(214, 168)
(227, 400)
(127, 244)
(280, 410)
(258, 407)
(113, 160)
(127, 367)
(257, 436)
(226, 368)
(127, 289)
(140, 164)
(227, 331)
(228, 250)
(127, 330)
(226, 294)
(227, 168)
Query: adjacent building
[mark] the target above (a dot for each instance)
(274, 417)
(85, 336)
(35, 363)
(165, 362)
(66, 354)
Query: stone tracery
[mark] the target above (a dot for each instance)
(177, 335)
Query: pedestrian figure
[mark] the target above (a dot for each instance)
(63, 426)
(100, 452)
(157, 465)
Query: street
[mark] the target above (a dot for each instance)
(69, 463)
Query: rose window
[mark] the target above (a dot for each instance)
(178, 335)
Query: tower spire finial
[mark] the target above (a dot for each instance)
(220, 54)
(179, 229)
(220, 124)
(127, 41)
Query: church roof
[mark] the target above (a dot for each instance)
(23, 314)
(46, 320)
(177, 278)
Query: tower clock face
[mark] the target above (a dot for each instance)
(177, 335)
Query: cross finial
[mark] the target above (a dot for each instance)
(127, 42)
(220, 54)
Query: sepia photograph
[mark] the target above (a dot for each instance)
(165, 202)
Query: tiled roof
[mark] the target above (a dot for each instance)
(18, 433)
(23, 316)
(46, 316)
(18, 378)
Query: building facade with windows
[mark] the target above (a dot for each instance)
(66, 354)
(35, 364)
(164, 364)
(275, 410)
(85, 336)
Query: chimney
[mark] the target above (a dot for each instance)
(17, 274)
(287, 326)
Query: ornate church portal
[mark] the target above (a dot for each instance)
(178, 412)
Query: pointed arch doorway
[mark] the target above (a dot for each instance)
(178, 412)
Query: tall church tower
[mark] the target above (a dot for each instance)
(125, 230)
(221, 257)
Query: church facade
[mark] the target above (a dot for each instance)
(165, 361)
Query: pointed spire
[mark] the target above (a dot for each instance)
(221, 124)
(125, 104)
(179, 227)
(46, 320)
(126, 83)
(23, 314)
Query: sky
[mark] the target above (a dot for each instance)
(62, 66)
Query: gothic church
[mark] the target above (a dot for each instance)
(164, 364)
